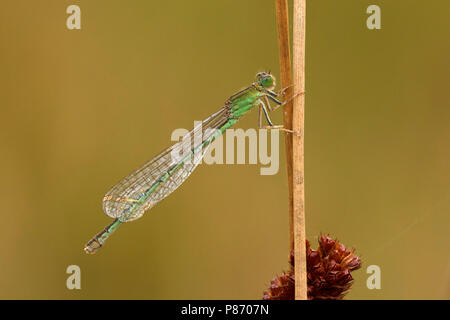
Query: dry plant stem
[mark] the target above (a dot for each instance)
(298, 150)
(282, 13)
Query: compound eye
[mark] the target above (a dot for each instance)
(267, 81)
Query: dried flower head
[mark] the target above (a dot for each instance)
(328, 270)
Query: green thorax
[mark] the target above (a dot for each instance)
(244, 100)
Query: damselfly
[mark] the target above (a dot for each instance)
(159, 177)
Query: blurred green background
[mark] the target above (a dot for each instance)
(80, 109)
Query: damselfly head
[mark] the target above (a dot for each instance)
(266, 80)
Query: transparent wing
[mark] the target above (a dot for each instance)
(122, 200)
